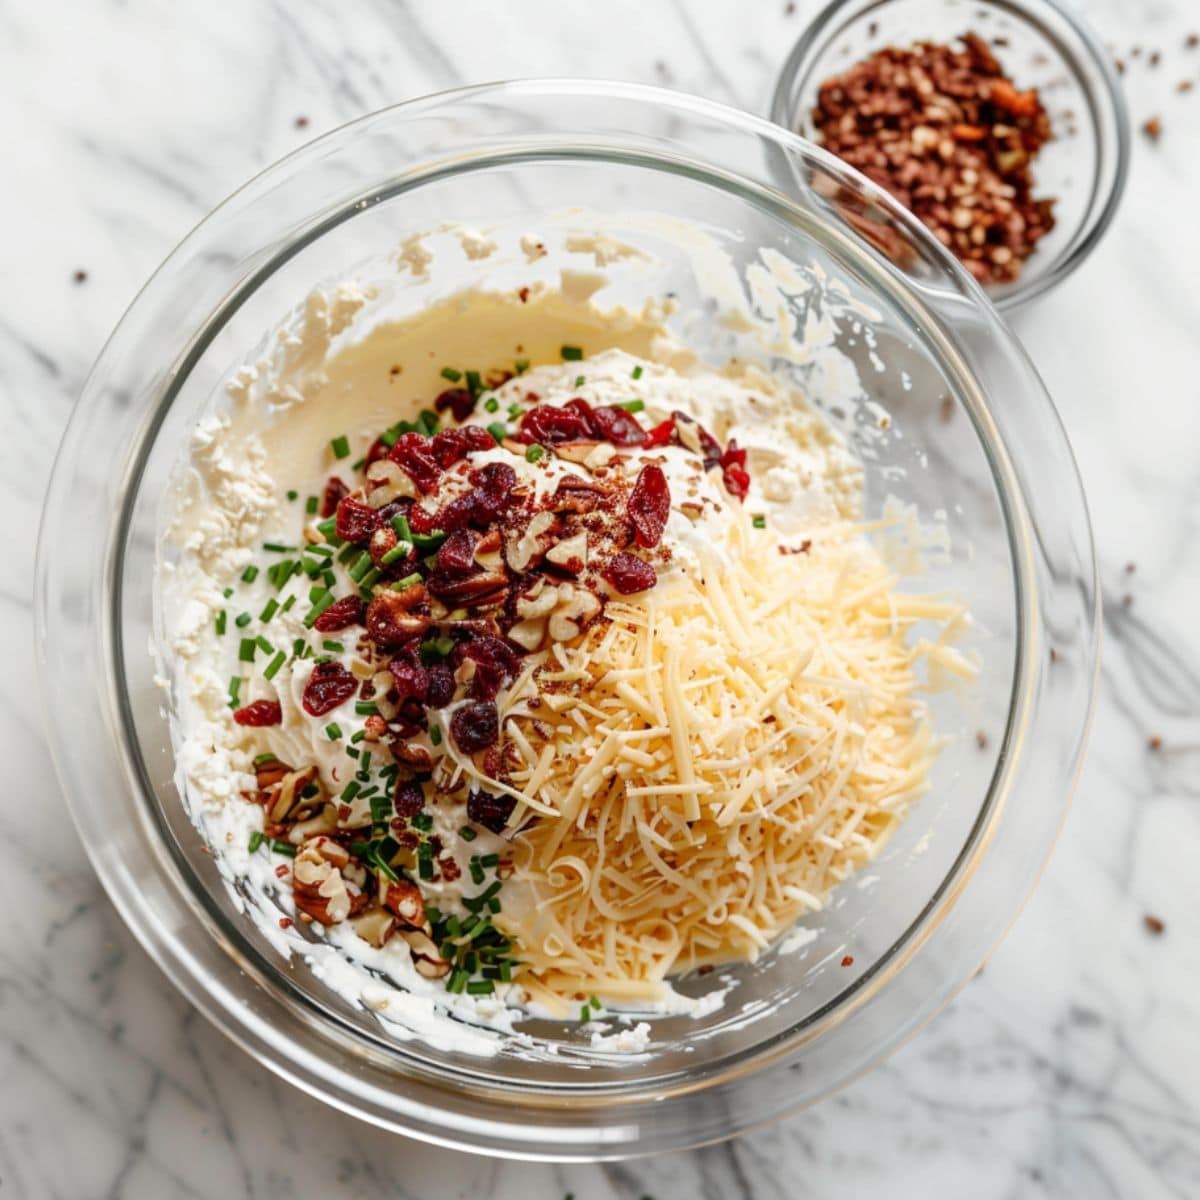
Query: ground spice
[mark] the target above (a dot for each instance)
(952, 138)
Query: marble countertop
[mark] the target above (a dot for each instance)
(1069, 1067)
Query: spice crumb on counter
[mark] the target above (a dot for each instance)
(1155, 925)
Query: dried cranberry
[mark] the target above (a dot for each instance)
(493, 487)
(661, 435)
(441, 686)
(413, 456)
(549, 425)
(340, 614)
(335, 489)
(710, 448)
(613, 424)
(492, 812)
(455, 515)
(737, 482)
(329, 685)
(410, 679)
(734, 456)
(261, 712)
(629, 574)
(379, 449)
(649, 505)
(410, 798)
(495, 662)
(355, 520)
(475, 726)
(459, 401)
(421, 520)
(451, 445)
(456, 555)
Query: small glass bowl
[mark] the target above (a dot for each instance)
(1041, 45)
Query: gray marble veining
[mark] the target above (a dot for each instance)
(1070, 1067)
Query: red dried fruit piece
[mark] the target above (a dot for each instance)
(548, 425)
(379, 449)
(441, 686)
(335, 489)
(261, 712)
(629, 574)
(475, 726)
(452, 445)
(613, 424)
(340, 614)
(710, 448)
(649, 505)
(421, 520)
(493, 492)
(456, 555)
(492, 812)
(389, 621)
(355, 521)
(459, 401)
(495, 662)
(661, 435)
(737, 482)
(329, 685)
(412, 454)
(410, 798)
(410, 679)
(453, 516)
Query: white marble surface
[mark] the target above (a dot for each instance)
(1071, 1067)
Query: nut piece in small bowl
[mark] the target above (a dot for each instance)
(1053, 161)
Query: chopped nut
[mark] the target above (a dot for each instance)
(389, 483)
(374, 926)
(525, 550)
(571, 553)
(576, 607)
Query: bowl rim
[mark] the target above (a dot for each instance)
(837, 15)
(180, 969)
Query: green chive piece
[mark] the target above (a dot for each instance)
(292, 494)
(320, 550)
(758, 521)
(451, 374)
(256, 840)
(368, 581)
(428, 421)
(333, 731)
(269, 609)
(631, 406)
(580, 380)
(636, 373)
(227, 593)
(425, 868)
(535, 452)
(335, 647)
(572, 353)
(278, 548)
(435, 735)
(407, 581)
(351, 790)
(311, 505)
(474, 382)
(467, 834)
(250, 574)
(481, 987)
(433, 649)
(498, 430)
(400, 525)
(358, 737)
(490, 860)
(265, 646)
(358, 464)
(235, 685)
(259, 759)
(361, 565)
(272, 668)
(340, 446)
(221, 623)
(428, 541)
(246, 650)
(398, 551)
(284, 848)
(242, 620)
(594, 1002)
(585, 1013)
(328, 529)
(287, 604)
(323, 601)
(350, 750)
(366, 708)
(492, 404)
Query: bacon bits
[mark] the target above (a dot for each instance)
(475, 726)
(492, 812)
(649, 506)
(261, 712)
(629, 574)
(329, 685)
(355, 520)
(340, 615)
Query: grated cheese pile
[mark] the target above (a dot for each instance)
(705, 765)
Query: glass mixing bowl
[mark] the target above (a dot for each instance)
(1040, 44)
(972, 442)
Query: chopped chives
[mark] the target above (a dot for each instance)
(585, 1013)
(433, 649)
(632, 406)
(319, 605)
(407, 581)
(287, 604)
(467, 834)
(758, 521)
(451, 374)
(425, 868)
(580, 380)
(428, 541)
(498, 430)
(428, 420)
(250, 574)
(242, 620)
(474, 382)
(246, 650)
(221, 622)
(269, 609)
(227, 592)
(333, 731)
(256, 840)
(292, 494)
(492, 404)
(259, 759)
(534, 453)
(272, 668)
(571, 353)
(235, 685)
(298, 647)
(435, 735)
(398, 551)
(358, 464)
(366, 708)
(320, 549)
(340, 446)
(361, 565)
(350, 750)
(493, 904)
(328, 530)
(477, 876)
(594, 1002)
(284, 848)
(265, 646)
(422, 821)
(328, 577)
(636, 373)
(336, 647)
(278, 548)
(311, 505)
(368, 581)
(400, 525)
(349, 551)
(312, 567)
(351, 790)
(490, 860)
(481, 987)
(358, 737)
(514, 411)
(457, 981)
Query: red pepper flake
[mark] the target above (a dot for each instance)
(286, 922)
(848, 960)
(1156, 925)
(282, 870)
(1153, 129)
